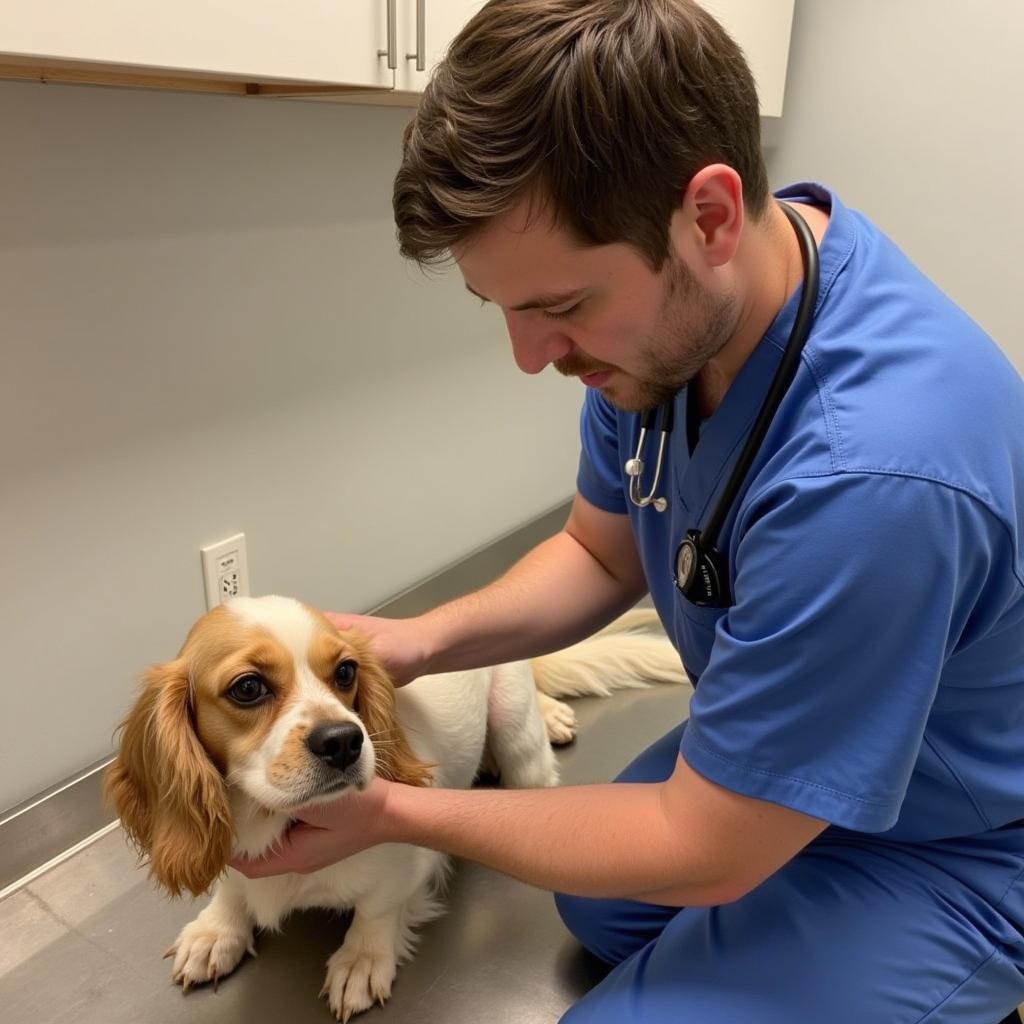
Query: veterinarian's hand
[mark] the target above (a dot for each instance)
(395, 641)
(324, 834)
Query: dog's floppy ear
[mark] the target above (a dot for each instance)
(171, 799)
(375, 704)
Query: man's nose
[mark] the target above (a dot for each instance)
(535, 344)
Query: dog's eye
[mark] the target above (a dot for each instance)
(248, 689)
(345, 675)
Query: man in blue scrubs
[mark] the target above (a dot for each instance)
(835, 833)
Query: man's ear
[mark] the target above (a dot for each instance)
(171, 799)
(705, 228)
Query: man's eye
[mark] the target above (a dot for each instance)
(561, 314)
(345, 675)
(248, 690)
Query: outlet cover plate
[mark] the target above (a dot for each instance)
(225, 570)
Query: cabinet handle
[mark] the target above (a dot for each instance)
(390, 52)
(420, 56)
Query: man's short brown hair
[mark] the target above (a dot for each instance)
(605, 108)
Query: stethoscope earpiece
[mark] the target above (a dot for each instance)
(634, 467)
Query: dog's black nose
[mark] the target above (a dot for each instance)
(336, 743)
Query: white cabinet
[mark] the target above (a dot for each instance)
(305, 42)
(322, 48)
(762, 29)
(432, 24)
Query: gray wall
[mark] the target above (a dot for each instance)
(913, 111)
(206, 329)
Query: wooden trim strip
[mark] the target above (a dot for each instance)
(85, 73)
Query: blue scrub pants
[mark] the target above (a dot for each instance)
(854, 930)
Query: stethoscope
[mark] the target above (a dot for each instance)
(701, 570)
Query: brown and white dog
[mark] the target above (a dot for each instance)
(269, 707)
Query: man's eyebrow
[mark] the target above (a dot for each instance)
(541, 302)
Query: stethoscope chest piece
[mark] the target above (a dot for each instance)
(701, 576)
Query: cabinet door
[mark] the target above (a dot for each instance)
(441, 22)
(762, 29)
(303, 41)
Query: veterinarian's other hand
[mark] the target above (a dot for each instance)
(324, 834)
(396, 642)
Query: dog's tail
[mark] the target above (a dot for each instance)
(626, 654)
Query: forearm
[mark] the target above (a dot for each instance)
(606, 841)
(557, 594)
(682, 842)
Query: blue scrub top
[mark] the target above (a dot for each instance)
(871, 669)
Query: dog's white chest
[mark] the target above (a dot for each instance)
(377, 877)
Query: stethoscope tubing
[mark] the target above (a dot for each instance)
(701, 570)
(780, 382)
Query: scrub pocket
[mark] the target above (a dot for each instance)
(695, 630)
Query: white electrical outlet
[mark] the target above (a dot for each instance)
(225, 570)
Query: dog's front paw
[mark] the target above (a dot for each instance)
(207, 951)
(559, 719)
(356, 979)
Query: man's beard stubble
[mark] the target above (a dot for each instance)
(669, 360)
